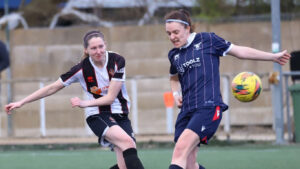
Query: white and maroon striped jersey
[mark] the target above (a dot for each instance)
(95, 82)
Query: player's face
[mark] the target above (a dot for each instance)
(96, 49)
(177, 33)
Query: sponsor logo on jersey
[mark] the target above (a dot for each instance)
(195, 62)
(98, 91)
(191, 62)
(95, 90)
(90, 79)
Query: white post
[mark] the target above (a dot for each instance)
(0, 125)
(277, 95)
(169, 111)
(86, 126)
(226, 98)
(134, 104)
(169, 103)
(0, 113)
(42, 114)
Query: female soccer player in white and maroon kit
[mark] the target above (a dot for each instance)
(101, 75)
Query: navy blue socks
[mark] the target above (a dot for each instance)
(114, 167)
(174, 166)
(201, 167)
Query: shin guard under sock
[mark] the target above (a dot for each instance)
(131, 159)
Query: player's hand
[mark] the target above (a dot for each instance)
(178, 100)
(11, 106)
(282, 57)
(77, 102)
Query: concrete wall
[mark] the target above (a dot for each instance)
(39, 53)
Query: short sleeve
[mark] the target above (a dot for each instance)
(4, 57)
(71, 76)
(119, 74)
(173, 69)
(222, 46)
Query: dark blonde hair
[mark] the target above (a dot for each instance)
(89, 35)
(182, 15)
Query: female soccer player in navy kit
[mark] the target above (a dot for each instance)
(195, 82)
(101, 75)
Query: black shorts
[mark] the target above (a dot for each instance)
(100, 123)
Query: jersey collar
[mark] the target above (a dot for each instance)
(189, 40)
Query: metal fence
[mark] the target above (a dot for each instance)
(134, 94)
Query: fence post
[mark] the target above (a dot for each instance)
(42, 114)
(288, 117)
(134, 106)
(287, 93)
(226, 98)
(169, 103)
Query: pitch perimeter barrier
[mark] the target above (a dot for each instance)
(135, 90)
(286, 76)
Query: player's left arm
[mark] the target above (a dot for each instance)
(113, 90)
(243, 52)
(176, 89)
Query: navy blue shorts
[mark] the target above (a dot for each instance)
(204, 122)
(100, 123)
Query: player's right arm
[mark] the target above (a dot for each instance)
(41, 93)
(176, 88)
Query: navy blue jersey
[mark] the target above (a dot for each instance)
(197, 66)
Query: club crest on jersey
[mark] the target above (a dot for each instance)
(95, 90)
(176, 57)
(197, 46)
(90, 79)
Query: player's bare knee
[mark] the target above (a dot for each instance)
(130, 143)
(180, 150)
(127, 142)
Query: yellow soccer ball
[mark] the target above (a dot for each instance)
(246, 86)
